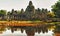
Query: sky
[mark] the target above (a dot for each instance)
(19, 4)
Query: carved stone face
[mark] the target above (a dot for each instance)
(30, 3)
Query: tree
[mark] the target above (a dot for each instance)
(3, 12)
(56, 9)
(51, 14)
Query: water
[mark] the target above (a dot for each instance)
(25, 31)
(18, 33)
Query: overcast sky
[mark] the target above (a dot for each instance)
(19, 4)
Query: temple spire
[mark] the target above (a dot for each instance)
(30, 3)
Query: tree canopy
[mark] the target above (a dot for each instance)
(56, 9)
(3, 12)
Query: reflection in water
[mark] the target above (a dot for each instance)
(30, 31)
(2, 29)
(57, 30)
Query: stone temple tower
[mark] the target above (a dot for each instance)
(30, 7)
(30, 10)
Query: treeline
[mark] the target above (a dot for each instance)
(30, 14)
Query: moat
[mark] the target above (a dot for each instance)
(43, 30)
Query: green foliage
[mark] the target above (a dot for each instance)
(3, 12)
(56, 9)
(51, 14)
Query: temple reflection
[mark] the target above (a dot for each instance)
(2, 29)
(30, 31)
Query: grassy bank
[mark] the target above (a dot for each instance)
(27, 22)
